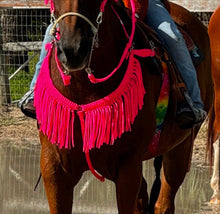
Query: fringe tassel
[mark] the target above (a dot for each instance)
(102, 121)
(118, 111)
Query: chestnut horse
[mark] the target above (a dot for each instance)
(214, 122)
(121, 162)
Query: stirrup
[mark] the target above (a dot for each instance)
(26, 104)
(25, 97)
(188, 115)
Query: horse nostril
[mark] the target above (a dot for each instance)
(61, 54)
(62, 57)
(73, 53)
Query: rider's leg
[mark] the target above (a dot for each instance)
(160, 20)
(47, 39)
(26, 102)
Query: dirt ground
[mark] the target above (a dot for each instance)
(17, 128)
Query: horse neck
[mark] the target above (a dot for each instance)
(112, 42)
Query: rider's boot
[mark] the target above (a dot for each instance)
(189, 115)
(26, 104)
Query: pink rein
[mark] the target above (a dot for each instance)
(91, 77)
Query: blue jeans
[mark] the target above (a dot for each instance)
(160, 20)
(47, 39)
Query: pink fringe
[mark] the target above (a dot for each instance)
(102, 121)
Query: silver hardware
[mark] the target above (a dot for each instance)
(99, 18)
(88, 70)
(66, 72)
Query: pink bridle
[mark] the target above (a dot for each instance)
(125, 54)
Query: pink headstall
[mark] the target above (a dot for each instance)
(52, 8)
(125, 54)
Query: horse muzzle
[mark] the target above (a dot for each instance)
(74, 46)
(74, 55)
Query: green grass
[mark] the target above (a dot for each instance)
(20, 83)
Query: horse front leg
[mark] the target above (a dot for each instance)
(175, 166)
(142, 202)
(128, 185)
(156, 185)
(58, 183)
(215, 182)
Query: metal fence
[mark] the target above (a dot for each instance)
(21, 35)
(204, 17)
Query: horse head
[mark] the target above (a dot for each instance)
(78, 22)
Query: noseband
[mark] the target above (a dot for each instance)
(53, 29)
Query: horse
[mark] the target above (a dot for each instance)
(214, 124)
(86, 66)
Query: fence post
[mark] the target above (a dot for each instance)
(5, 97)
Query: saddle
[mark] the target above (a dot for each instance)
(177, 86)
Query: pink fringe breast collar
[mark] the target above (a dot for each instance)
(102, 121)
